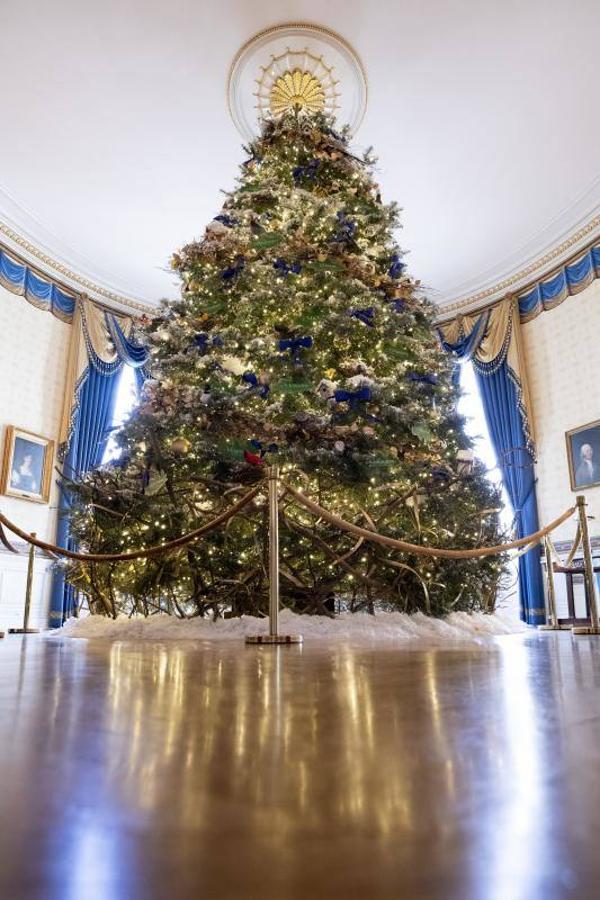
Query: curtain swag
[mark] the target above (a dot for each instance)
(571, 278)
(19, 278)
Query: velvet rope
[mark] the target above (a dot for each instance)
(135, 554)
(418, 549)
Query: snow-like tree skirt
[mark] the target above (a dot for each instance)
(424, 631)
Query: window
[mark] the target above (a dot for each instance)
(124, 404)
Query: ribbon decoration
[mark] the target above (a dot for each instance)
(416, 378)
(200, 340)
(441, 475)
(307, 171)
(352, 398)
(283, 268)
(231, 272)
(252, 380)
(364, 315)
(226, 220)
(346, 228)
(295, 345)
(396, 266)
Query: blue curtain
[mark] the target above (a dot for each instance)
(89, 437)
(94, 408)
(503, 411)
(504, 420)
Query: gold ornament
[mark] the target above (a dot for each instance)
(180, 445)
(296, 91)
(329, 373)
(341, 341)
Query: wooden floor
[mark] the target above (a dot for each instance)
(132, 771)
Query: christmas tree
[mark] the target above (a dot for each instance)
(299, 339)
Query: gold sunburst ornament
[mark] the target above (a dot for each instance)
(296, 91)
(296, 81)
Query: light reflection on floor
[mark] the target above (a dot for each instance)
(162, 770)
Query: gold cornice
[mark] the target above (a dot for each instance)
(471, 303)
(68, 273)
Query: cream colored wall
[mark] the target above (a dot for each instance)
(33, 355)
(562, 352)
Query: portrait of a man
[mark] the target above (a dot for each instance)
(583, 450)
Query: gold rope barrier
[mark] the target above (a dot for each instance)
(134, 554)
(419, 549)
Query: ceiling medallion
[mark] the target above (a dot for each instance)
(296, 67)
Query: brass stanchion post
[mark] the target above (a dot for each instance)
(28, 591)
(273, 637)
(552, 623)
(590, 579)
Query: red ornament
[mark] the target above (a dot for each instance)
(253, 459)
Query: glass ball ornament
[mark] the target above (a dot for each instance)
(180, 445)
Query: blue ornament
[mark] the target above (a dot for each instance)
(295, 345)
(398, 305)
(226, 220)
(353, 398)
(396, 266)
(364, 315)
(308, 171)
(441, 475)
(346, 228)
(283, 268)
(416, 378)
(232, 271)
(200, 341)
(251, 379)
(257, 445)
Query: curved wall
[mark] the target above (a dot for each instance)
(33, 360)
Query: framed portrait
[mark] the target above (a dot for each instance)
(27, 465)
(583, 453)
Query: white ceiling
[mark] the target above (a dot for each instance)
(116, 135)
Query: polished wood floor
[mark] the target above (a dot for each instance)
(132, 771)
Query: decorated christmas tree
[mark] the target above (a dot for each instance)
(299, 339)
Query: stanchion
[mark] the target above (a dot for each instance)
(552, 624)
(26, 629)
(588, 574)
(273, 637)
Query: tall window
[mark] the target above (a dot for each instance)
(124, 404)
(471, 407)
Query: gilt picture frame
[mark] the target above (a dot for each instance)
(583, 455)
(26, 465)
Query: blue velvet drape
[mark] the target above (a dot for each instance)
(90, 435)
(504, 417)
(501, 408)
(94, 415)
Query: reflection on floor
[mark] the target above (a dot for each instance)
(167, 771)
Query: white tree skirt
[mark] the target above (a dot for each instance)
(458, 627)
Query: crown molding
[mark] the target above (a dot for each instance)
(22, 232)
(571, 231)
